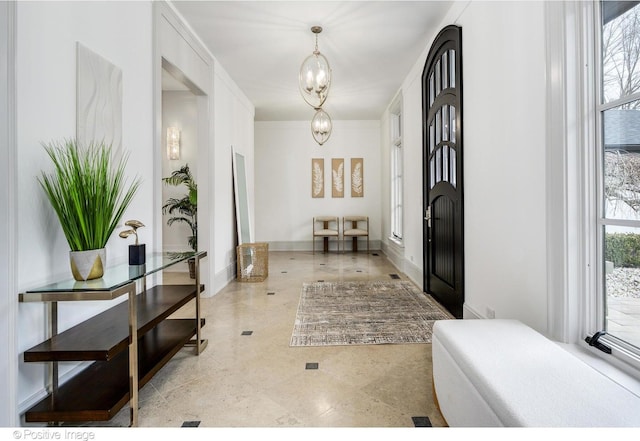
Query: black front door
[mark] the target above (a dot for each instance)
(442, 171)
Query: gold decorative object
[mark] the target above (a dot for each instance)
(137, 253)
(134, 224)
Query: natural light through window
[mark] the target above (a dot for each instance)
(620, 169)
(396, 175)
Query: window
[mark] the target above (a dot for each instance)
(618, 205)
(396, 174)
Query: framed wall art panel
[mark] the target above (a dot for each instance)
(337, 177)
(317, 178)
(357, 177)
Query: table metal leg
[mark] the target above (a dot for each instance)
(53, 365)
(133, 355)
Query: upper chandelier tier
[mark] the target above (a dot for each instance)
(315, 76)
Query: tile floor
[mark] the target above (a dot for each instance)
(248, 376)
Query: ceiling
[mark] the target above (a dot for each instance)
(370, 45)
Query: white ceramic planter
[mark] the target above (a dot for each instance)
(88, 265)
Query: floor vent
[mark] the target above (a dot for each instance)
(191, 424)
(421, 421)
(311, 366)
(247, 332)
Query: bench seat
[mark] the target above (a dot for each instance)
(497, 372)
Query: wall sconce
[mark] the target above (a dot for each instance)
(173, 143)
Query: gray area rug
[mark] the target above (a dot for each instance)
(364, 313)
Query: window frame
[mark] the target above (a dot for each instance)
(622, 353)
(396, 173)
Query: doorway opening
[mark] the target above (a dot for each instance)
(180, 139)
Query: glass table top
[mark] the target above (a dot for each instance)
(114, 277)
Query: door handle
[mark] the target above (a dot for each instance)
(427, 216)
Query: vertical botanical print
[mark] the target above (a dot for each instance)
(357, 178)
(337, 178)
(317, 178)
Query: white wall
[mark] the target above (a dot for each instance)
(504, 139)
(233, 127)
(8, 298)
(284, 206)
(47, 33)
(504, 159)
(225, 118)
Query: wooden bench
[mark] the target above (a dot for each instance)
(495, 373)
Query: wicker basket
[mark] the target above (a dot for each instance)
(253, 262)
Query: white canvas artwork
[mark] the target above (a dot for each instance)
(98, 100)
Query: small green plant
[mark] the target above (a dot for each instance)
(87, 191)
(185, 209)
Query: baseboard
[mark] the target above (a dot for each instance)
(223, 277)
(414, 273)
(469, 313)
(42, 393)
(307, 245)
(395, 254)
(299, 245)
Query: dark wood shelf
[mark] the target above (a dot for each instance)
(105, 336)
(102, 389)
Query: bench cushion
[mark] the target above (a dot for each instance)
(325, 233)
(519, 378)
(355, 232)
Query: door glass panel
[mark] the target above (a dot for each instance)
(439, 165)
(432, 88)
(438, 126)
(445, 123)
(432, 137)
(438, 82)
(445, 163)
(452, 123)
(621, 138)
(452, 68)
(445, 71)
(432, 172)
(622, 279)
(452, 164)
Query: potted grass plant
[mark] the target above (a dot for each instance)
(89, 193)
(184, 209)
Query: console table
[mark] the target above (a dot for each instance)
(127, 343)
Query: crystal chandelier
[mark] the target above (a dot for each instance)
(314, 82)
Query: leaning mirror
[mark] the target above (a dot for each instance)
(241, 197)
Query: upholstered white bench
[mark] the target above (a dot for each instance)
(503, 373)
